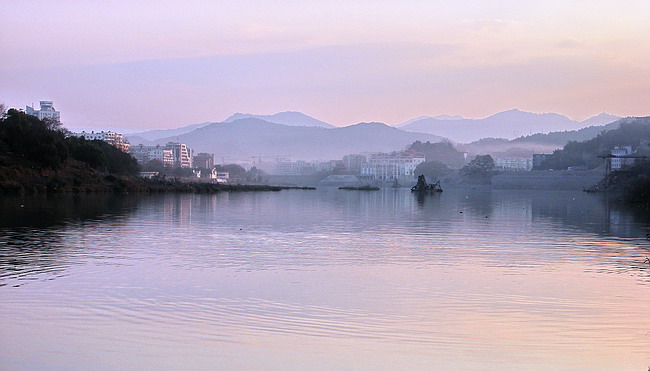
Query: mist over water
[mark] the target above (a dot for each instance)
(325, 279)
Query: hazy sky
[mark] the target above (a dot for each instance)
(148, 64)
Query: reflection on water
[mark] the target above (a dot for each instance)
(33, 230)
(466, 279)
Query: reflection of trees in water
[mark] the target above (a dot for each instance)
(32, 229)
(611, 220)
(58, 210)
(591, 213)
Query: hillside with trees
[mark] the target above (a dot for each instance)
(36, 155)
(631, 132)
(443, 152)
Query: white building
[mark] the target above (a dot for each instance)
(618, 161)
(280, 165)
(220, 176)
(514, 164)
(144, 154)
(392, 166)
(171, 155)
(111, 137)
(181, 153)
(47, 111)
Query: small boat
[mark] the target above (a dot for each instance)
(422, 186)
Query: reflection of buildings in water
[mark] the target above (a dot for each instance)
(177, 208)
(622, 223)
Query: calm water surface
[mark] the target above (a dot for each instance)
(324, 280)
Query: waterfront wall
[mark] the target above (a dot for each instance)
(567, 180)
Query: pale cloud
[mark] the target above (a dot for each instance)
(342, 61)
(570, 44)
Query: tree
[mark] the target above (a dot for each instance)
(433, 170)
(86, 151)
(442, 152)
(155, 165)
(481, 167)
(234, 170)
(26, 136)
(102, 156)
(587, 153)
(255, 175)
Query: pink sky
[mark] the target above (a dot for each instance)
(162, 64)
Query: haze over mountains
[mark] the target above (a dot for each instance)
(508, 124)
(300, 136)
(283, 118)
(249, 137)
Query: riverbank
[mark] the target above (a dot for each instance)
(18, 176)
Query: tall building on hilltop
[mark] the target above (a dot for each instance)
(47, 111)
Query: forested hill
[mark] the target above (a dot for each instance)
(633, 132)
(35, 155)
(561, 138)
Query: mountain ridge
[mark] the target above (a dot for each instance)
(289, 118)
(248, 137)
(508, 124)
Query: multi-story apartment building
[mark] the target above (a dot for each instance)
(47, 111)
(398, 166)
(354, 163)
(539, 158)
(621, 157)
(171, 155)
(203, 160)
(514, 164)
(181, 153)
(144, 154)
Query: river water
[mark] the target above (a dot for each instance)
(470, 279)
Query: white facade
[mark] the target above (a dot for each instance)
(171, 155)
(181, 153)
(144, 154)
(111, 137)
(392, 166)
(514, 164)
(617, 162)
(47, 111)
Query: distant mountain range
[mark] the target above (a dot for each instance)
(151, 135)
(283, 118)
(508, 124)
(303, 137)
(439, 117)
(249, 137)
(525, 146)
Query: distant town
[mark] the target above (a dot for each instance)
(399, 167)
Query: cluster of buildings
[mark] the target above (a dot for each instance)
(172, 154)
(115, 139)
(396, 166)
(385, 167)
